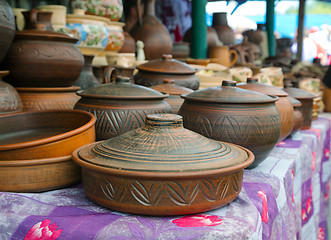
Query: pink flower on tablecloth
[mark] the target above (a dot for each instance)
(308, 205)
(292, 174)
(43, 231)
(264, 215)
(199, 220)
(280, 143)
(318, 132)
(313, 161)
(326, 195)
(293, 197)
(327, 152)
(321, 234)
(303, 214)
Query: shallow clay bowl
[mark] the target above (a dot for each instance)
(44, 134)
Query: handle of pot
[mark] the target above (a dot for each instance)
(234, 56)
(109, 73)
(140, 21)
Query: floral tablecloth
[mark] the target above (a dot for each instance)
(285, 197)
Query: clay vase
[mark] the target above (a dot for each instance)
(37, 19)
(153, 72)
(231, 114)
(283, 105)
(120, 106)
(7, 28)
(162, 169)
(153, 33)
(37, 99)
(297, 115)
(224, 31)
(10, 101)
(112, 72)
(129, 45)
(86, 78)
(169, 86)
(224, 55)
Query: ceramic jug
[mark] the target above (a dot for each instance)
(224, 55)
(224, 31)
(37, 19)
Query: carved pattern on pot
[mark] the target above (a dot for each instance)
(37, 106)
(8, 102)
(6, 19)
(227, 128)
(149, 193)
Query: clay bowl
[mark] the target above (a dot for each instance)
(37, 175)
(162, 169)
(44, 134)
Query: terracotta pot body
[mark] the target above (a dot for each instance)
(224, 31)
(234, 115)
(297, 115)
(174, 91)
(121, 106)
(224, 55)
(153, 180)
(153, 73)
(36, 99)
(129, 45)
(153, 33)
(7, 28)
(284, 104)
(327, 99)
(10, 101)
(86, 78)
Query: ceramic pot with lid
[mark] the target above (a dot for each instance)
(162, 169)
(283, 105)
(297, 115)
(153, 72)
(120, 106)
(231, 114)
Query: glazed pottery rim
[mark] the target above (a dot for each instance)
(62, 136)
(33, 162)
(163, 175)
(114, 97)
(93, 18)
(48, 89)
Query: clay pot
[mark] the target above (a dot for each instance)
(283, 105)
(121, 106)
(10, 101)
(58, 18)
(115, 37)
(181, 50)
(112, 72)
(234, 115)
(7, 28)
(129, 45)
(36, 99)
(297, 115)
(153, 73)
(224, 31)
(153, 33)
(86, 78)
(224, 55)
(40, 58)
(36, 19)
(168, 86)
(162, 169)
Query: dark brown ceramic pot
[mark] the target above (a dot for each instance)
(168, 86)
(306, 99)
(153, 73)
(224, 31)
(10, 101)
(249, 119)
(120, 106)
(283, 105)
(129, 45)
(86, 78)
(297, 115)
(162, 169)
(7, 28)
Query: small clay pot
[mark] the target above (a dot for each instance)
(86, 78)
(297, 115)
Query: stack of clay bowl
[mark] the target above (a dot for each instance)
(43, 64)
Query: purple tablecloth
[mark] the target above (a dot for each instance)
(285, 197)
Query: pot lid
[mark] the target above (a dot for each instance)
(295, 102)
(44, 35)
(253, 85)
(228, 93)
(166, 65)
(163, 147)
(121, 89)
(299, 93)
(169, 86)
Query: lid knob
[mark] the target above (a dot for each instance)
(252, 80)
(229, 83)
(168, 80)
(164, 119)
(166, 56)
(122, 79)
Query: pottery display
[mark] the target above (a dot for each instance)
(58, 19)
(112, 72)
(86, 78)
(181, 50)
(169, 86)
(153, 33)
(162, 169)
(41, 58)
(10, 101)
(224, 55)
(231, 114)
(153, 72)
(224, 31)
(129, 45)
(283, 105)
(120, 106)
(297, 115)
(7, 28)
(44, 134)
(36, 99)
(245, 54)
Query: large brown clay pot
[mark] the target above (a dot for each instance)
(86, 78)
(283, 105)
(10, 101)
(297, 115)
(120, 106)
(162, 169)
(153, 72)
(129, 45)
(153, 33)
(224, 31)
(7, 28)
(169, 86)
(249, 119)
(41, 58)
